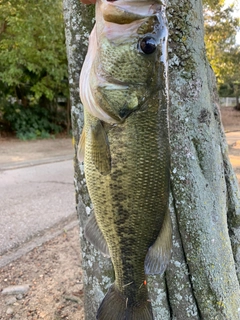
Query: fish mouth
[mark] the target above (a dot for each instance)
(112, 83)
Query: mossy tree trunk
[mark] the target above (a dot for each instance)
(202, 280)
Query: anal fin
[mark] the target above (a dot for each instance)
(159, 254)
(100, 151)
(93, 234)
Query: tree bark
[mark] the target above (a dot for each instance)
(202, 280)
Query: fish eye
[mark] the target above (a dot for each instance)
(148, 45)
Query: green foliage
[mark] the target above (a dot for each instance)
(33, 63)
(31, 123)
(32, 47)
(226, 90)
(220, 38)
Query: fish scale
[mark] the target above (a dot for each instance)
(125, 147)
(134, 196)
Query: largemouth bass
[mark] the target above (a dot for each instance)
(125, 148)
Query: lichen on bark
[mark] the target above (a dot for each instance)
(201, 280)
(200, 192)
(97, 271)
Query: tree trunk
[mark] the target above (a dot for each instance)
(237, 102)
(202, 280)
(236, 92)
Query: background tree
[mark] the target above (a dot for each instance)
(202, 280)
(230, 86)
(222, 51)
(33, 64)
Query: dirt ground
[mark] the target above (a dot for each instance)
(53, 270)
(53, 273)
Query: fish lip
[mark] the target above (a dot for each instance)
(109, 81)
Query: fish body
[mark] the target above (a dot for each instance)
(125, 146)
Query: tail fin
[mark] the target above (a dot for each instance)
(115, 307)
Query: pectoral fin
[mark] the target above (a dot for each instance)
(159, 253)
(100, 151)
(93, 234)
(81, 146)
